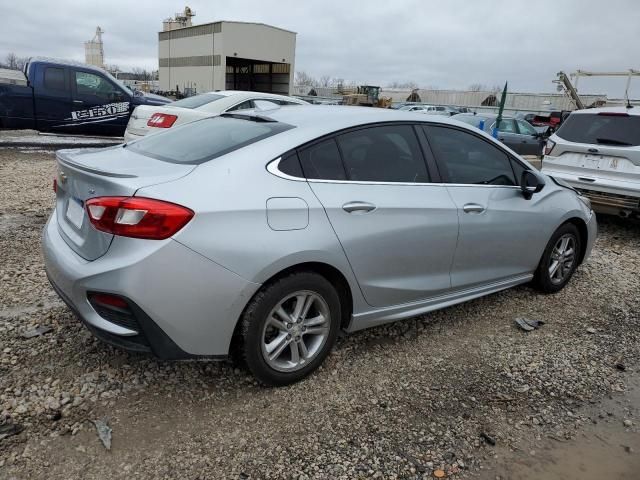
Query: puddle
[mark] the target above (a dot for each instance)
(606, 450)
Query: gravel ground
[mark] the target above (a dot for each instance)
(397, 401)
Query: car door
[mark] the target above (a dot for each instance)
(502, 234)
(397, 229)
(99, 106)
(52, 98)
(508, 134)
(529, 139)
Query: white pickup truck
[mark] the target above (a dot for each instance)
(597, 152)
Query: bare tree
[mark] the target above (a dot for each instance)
(14, 62)
(478, 87)
(325, 81)
(303, 78)
(409, 85)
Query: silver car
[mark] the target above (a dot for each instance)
(263, 234)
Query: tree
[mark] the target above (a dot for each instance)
(14, 62)
(325, 81)
(477, 87)
(408, 85)
(303, 78)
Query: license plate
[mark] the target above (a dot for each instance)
(592, 161)
(75, 212)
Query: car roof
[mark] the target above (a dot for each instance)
(595, 111)
(322, 119)
(491, 116)
(248, 93)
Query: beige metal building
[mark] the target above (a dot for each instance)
(227, 56)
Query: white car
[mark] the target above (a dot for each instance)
(427, 109)
(147, 119)
(597, 152)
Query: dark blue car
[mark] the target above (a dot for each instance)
(68, 97)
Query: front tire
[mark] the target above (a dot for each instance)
(559, 260)
(289, 328)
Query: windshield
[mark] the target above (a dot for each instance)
(197, 100)
(206, 139)
(470, 119)
(602, 129)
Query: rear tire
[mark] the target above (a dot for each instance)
(559, 260)
(289, 328)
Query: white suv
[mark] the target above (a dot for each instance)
(597, 151)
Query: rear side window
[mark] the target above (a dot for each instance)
(601, 129)
(467, 159)
(196, 101)
(54, 78)
(321, 161)
(290, 165)
(383, 154)
(241, 106)
(200, 141)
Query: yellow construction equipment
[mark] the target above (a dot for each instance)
(367, 96)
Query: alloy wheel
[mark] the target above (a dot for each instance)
(562, 259)
(295, 331)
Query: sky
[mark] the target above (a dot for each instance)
(446, 44)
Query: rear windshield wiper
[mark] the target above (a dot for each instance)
(612, 141)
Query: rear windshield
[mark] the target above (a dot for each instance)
(196, 101)
(601, 129)
(470, 119)
(200, 141)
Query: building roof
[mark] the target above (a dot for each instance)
(234, 21)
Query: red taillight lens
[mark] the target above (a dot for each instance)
(55, 185)
(548, 148)
(137, 217)
(162, 120)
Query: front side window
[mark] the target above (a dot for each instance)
(467, 159)
(526, 128)
(321, 161)
(383, 154)
(95, 85)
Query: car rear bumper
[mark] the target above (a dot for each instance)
(185, 305)
(606, 195)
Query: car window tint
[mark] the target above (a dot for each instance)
(95, 85)
(602, 129)
(241, 106)
(322, 161)
(290, 165)
(467, 159)
(526, 128)
(206, 139)
(196, 101)
(383, 154)
(54, 78)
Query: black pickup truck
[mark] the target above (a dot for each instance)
(67, 97)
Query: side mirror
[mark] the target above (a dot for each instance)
(531, 182)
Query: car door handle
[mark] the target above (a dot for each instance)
(473, 208)
(587, 179)
(353, 207)
(78, 101)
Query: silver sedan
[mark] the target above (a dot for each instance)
(262, 234)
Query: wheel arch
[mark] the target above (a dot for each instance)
(331, 273)
(581, 225)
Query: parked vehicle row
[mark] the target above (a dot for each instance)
(68, 97)
(264, 233)
(517, 134)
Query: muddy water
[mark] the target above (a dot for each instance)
(606, 450)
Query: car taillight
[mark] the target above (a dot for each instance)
(548, 148)
(55, 185)
(137, 217)
(162, 120)
(109, 301)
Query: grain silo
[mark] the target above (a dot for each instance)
(93, 50)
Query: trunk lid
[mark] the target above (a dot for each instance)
(89, 173)
(138, 122)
